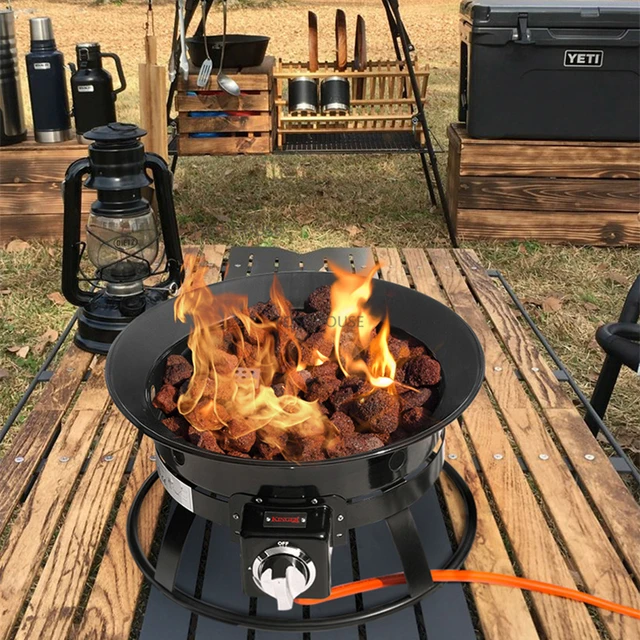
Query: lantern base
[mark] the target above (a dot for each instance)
(102, 320)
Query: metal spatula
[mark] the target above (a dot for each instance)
(207, 65)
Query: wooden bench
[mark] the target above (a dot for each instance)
(551, 191)
(550, 504)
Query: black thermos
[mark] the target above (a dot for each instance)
(47, 85)
(92, 89)
(12, 127)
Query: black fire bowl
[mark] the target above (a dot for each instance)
(136, 362)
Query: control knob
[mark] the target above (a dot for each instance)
(283, 572)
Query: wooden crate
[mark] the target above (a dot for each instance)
(387, 103)
(551, 191)
(30, 196)
(239, 134)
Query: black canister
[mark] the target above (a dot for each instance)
(334, 94)
(12, 127)
(47, 85)
(92, 89)
(303, 95)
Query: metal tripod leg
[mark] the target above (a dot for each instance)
(399, 32)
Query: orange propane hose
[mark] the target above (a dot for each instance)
(450, 575)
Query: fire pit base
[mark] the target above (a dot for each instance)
(405, 538)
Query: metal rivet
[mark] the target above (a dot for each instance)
(237, 265)
(543, 456)
(338, 535)
(497, 368)
(237, 517)
(340, 518)
(303, 520)
(453, 456)
(152, 457)
(536, 369)
(108, 458)
(314, 501)
(498, 456)
(590, 457)
(64, 458)
(259, 500)
(237, 533)
(268, 519)
(18, 459)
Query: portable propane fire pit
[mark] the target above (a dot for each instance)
(288, 514)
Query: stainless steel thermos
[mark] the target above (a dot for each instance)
(92, 89)
(12, 127)
(47, 85)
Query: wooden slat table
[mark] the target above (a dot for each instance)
(550, 504)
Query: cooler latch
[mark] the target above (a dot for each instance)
(522, 35)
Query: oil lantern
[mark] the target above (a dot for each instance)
(126, 241)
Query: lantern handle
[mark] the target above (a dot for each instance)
(163, 182)
(72, 198)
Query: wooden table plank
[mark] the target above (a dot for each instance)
(598, 563)
(38, 517)
(111, 606)
(39, 428)
(49, 613)
(605, 487)
(531, 540)
(503, 613)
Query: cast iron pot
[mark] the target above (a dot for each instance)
(136, 363)
(240, 51)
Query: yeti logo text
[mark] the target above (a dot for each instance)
(583, 58)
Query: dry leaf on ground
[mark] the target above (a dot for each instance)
(21, 352)
(48, 337)
(551, 303)
(353, 230)
(589, 306)
(5, 292)
(56, 297)
(3, 374)
(17, 245)
(615, 277)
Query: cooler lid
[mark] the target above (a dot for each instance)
(553, 13)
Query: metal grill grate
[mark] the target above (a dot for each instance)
(356, 142)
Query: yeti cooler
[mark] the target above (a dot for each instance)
(555, 70)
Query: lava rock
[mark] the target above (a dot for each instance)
(177, 370)
(422, 371)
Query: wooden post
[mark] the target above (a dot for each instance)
(153, 99)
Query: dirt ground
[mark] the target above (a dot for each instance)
(306, 202)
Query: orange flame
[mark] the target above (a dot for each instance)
(229, 341)
(352, 326)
